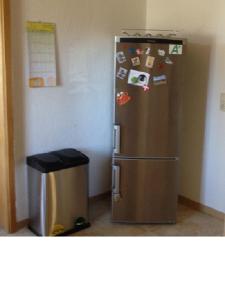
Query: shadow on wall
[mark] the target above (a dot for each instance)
(196, 82)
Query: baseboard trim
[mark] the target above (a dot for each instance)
(182, 200)
(201, 207)
(22, 224)
(100, 196)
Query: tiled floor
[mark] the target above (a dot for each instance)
(190, 223)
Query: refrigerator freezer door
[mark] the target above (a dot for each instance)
(146, 192)
(149, 121)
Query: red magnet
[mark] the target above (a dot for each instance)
(123, 98)
(161, 66)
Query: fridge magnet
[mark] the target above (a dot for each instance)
(123, 98)
(159, 80)
(148, 51)
(146, 88)
(132, 50)
(168, 61)
(150, 62)
(121, 58)
(138, 78)
(136, 61)
(122, 73)
(176, 49)
(140, 52)
(161, 52)
(161, 66)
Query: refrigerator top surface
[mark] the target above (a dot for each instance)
(152, 40)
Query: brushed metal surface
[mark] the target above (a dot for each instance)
(37, 200)
(57, 198)
(149, 123)
(148, 191)
(71, 193)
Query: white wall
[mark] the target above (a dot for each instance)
(78, 113)
(203, 142)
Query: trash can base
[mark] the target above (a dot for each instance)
(66, 233)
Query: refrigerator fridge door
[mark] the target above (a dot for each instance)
(144, 191)
(147, 121)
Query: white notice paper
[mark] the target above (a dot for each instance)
(42, 56)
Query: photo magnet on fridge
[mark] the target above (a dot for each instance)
(176, 49)
(150, 62)
(136, 61)
(161, 52)
(122, 73)
(122, 98)
(121, 58)
(159, 80)
(138, 78)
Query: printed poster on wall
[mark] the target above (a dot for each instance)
(42, 54)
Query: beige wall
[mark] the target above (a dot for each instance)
(78, 113)
(203, 124)
(48, 119)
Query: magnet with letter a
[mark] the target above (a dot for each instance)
(176, 49)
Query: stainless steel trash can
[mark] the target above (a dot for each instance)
(58, 192)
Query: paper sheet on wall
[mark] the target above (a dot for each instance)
(42, 54)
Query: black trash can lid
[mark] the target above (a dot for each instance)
(71, 157)
(57, 160)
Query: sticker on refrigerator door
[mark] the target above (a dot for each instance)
(138, 78)
(161, 66)
(150, 62)
(161, 52)
(146, 88)
(139, 51)
(121, 58)
(122, 73)
(176, 49)
(147, 51)
(136, 61)
(168, 61)
(160, 80)
(122, 98)
(132, 50)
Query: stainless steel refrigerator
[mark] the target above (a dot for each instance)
(148, 90)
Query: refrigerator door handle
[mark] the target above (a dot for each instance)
(116, 180)
(116, 139)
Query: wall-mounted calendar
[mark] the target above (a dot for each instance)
(42, 54)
